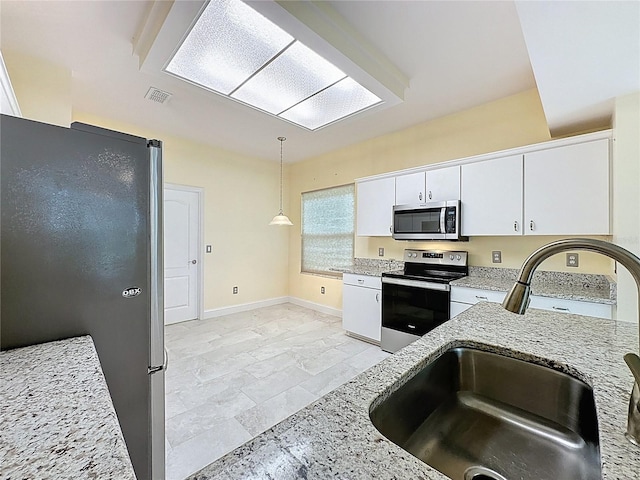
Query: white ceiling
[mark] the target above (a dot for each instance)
(455, 55)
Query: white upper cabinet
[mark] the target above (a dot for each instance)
(492, 197)
(443, 184)
(375, 207)
(566, 190)
(438, 185)
(410, 189)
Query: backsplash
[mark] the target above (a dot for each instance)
(583, 280)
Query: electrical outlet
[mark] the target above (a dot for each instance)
(573, 260)
(381, 252)
(496, 256)
(208, 249)
(235, 290)
(322, 290)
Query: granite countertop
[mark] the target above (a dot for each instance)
(569, 286)
(334, 438)
(56, 416)
(373, 267)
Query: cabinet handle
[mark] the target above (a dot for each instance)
(515, 226)
(532, 225)
(360, 280)
(420, 195)
(481, 298)
(561, 309)
(391, 229)
(412, 327)
(378, 297)
(430, 196)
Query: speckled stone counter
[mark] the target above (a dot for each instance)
(372, 267)
(334, 438)
(56, 416)
(569, 286)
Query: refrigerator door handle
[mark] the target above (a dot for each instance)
(157, 356)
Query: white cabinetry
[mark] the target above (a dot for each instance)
(437, 185)
(375, 206)
(566, 190)
(410, 188)
(362, 306)
(558, 191)
(492, 197)
(443, 184)
(463, 298)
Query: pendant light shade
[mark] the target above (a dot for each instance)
(281, 219)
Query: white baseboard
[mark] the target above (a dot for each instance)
(316, 306)
(245, 307)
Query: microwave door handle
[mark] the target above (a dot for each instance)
(443, 212)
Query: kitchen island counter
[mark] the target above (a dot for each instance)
(56, 416)
(334, 438)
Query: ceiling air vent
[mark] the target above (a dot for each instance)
(157, 95)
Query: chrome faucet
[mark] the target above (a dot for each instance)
(517, 301)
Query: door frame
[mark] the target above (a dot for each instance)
(200, 237)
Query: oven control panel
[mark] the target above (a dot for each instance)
(436, 257)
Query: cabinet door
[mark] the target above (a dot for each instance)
(375, 207)
(361, 311)
(443, 184)
(410, 189)
(567, 190)
(492, 197)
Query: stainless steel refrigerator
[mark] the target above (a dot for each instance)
(81, 253)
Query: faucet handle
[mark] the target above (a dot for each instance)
(633, 361)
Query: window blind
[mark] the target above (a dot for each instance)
(328, 220)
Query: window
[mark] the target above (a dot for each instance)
(328, 218)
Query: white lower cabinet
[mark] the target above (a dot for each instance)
(463, 298)
(362, 306)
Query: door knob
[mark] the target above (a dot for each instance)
(194, 261)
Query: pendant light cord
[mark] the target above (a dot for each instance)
(282, 139)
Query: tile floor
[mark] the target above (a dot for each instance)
(231, 378)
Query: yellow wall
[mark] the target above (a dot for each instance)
(43, 89)
(507, 123)
(626, 195)
(241, 196)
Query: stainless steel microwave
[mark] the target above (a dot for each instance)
(427, 221)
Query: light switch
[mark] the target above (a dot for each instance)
(208, 249)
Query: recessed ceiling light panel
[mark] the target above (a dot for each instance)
(338, 101)
(228, 43)
(290, 78)
(235, 51)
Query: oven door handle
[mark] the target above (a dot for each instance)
(417, 284)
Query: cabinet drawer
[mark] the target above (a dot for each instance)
(362, 280)
(475, 295)
(560, 305)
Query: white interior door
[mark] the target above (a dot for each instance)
(181, 260)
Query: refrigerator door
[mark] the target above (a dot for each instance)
(157, 353)
(76, 252)
(156, 385)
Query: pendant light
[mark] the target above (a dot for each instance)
(281, 218)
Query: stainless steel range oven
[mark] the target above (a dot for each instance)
(416, 300)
